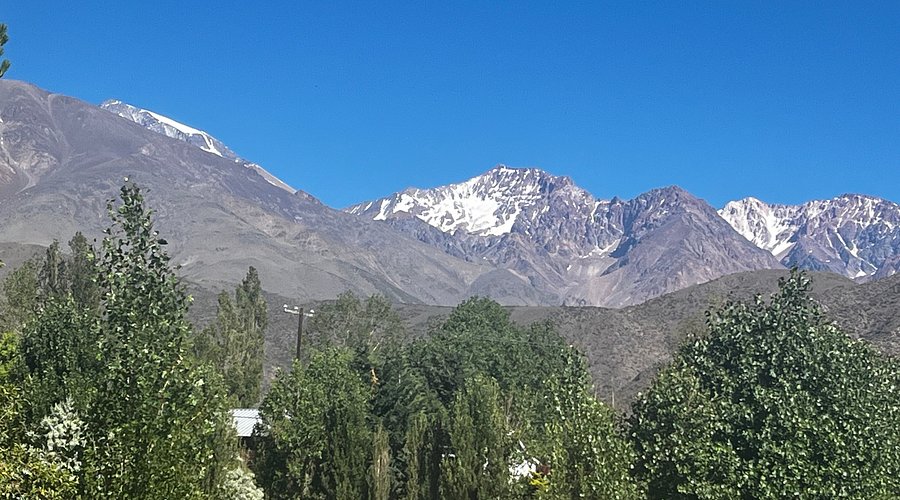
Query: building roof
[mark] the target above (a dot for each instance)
(245, 419)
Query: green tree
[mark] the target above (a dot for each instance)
(370, 328)
(109, 393)
(12, 421)
(157, 424)
(234, 342)
(82, 273)
(773, 402)
(53, 279)
(314, 436)
(535, 380)
(251, 307)
(61, 353)
(27, 473)
(3, 39)
(476, 464)
(380, 474)
(577, 441)
(418, 455)
(20, 296)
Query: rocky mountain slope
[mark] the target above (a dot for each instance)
(61, 159)
(568, 243)
(521, 236)
(853, 235)
(171, 128)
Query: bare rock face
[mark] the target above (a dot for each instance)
(569, 244)
(852, 235)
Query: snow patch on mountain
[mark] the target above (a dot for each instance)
(486, 205)
(171, 128)
(769, 227)
(854, 235)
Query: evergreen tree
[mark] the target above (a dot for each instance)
(420, 478)
(476, 465)
(53, 279)
(314, 439)
(380, 474)
(448, 415)
(523, 386)
(251, 307)
(20, 296)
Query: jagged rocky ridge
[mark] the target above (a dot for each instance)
(522, 236)
(567, 243)
(853, 235)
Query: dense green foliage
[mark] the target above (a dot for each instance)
(105, 392)
(773, 402)
(233, 343)
(104, 396)
(317, 436)
(447, 416)
(20, 289)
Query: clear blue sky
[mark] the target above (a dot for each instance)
(785, 101)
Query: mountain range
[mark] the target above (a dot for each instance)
(521, 236)
(580, 250)
(62, 159)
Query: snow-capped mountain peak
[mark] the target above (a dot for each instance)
(544, 229)
(854, 235)
(769, 227)
(486, 205)
(170, 128)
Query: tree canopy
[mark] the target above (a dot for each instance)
(104, 394)
(470, 411)
(773, 401)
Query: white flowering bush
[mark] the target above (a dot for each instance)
(63, 437)
(240, 485)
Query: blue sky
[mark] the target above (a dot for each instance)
(785, 101)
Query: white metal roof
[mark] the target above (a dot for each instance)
(245, 420)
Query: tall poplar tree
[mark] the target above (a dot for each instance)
(53, 278)
(82, 273)
(234, 342)
(158, 424)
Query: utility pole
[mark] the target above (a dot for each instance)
(300, 313)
